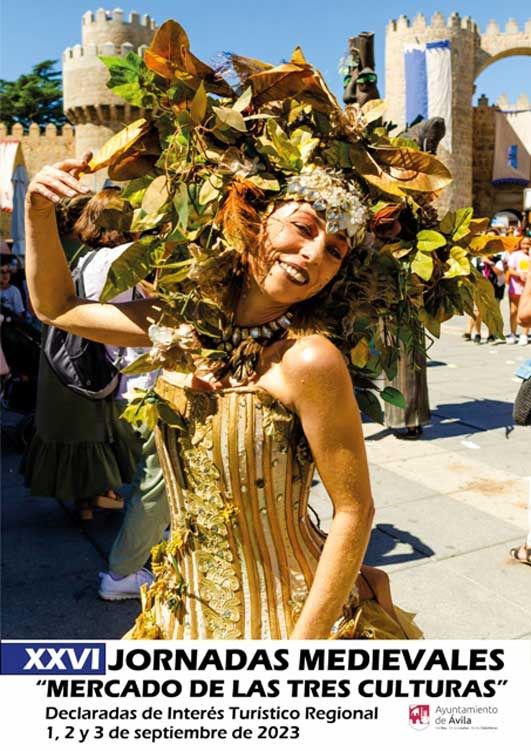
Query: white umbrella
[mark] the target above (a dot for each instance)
(20, 186)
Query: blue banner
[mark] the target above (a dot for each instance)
(52, 658)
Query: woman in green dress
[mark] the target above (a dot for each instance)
(81, 449)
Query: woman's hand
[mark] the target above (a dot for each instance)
(57, 181)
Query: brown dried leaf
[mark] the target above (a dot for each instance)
(169, 56)
(247, 66)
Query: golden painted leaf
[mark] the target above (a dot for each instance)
(118, 144)
(422, 265)
(297, 56)
(359, 355)
(488, 244)
(478, 225)
(367, 168)
(292, 81)
(156, 195)
(139, 159)
(244, 100)
(412, 170)
(198, 107)
(373, 110)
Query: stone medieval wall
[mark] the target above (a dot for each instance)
(40, 148)
(471, 53)
(96, 112)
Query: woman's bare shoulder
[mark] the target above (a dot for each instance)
(314, 362)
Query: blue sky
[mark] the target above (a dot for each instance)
(268, 29)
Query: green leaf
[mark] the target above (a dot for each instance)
(180, 201)
(287, 152)
(393, 396)
(458, 263)
(265, 182)
(124, 79)
(457, 223)
(198, 107)
(244, 101)
(370, 405)
(143, 222)
(230, 117)
(429, 240)
(176, 276)
(142, 364)
(305, 143)
(210, 189)
(422, 265)
(131, 267)
(462, 221)
(141, 413)
(135, 189)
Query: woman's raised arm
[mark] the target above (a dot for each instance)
(49, 280)
(325, 401)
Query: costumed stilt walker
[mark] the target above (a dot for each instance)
(271, 300)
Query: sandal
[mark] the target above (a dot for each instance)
(110, 500)
(527, 551)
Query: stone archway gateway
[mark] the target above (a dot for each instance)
(455, 53)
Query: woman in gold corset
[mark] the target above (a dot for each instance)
(242, 468)
(267, 397)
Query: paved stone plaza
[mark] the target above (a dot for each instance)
(449, 507)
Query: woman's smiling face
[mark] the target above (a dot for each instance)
(297, 256)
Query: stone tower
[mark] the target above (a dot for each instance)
(471, 53)
(95, 111)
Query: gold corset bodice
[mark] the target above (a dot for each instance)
(243, 550)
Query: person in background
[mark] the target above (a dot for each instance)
(10, 296)
(517, 267)
(492, 269)
(81, 449)
(522, 554)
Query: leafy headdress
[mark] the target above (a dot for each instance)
(218, 148)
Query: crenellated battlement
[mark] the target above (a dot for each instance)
(41, 144)
(471, 52)
(522, 103)
(456, 22)
(438, 23)
(36, 132)
(83, 52)
(103, 17)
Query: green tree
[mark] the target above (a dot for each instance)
(33, 97)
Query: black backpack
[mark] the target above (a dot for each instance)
(81, 365)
